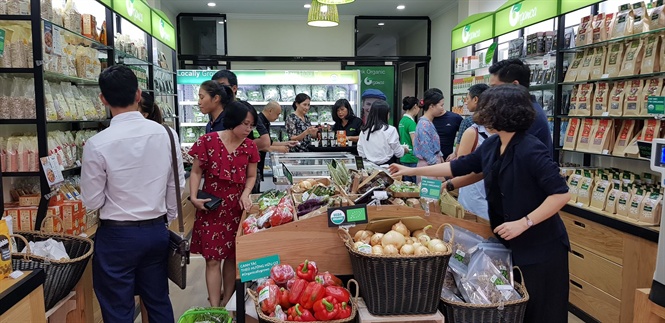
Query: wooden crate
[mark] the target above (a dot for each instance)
(364, 316)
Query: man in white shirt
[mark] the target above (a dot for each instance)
(127, 174)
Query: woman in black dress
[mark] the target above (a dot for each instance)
(524, 194)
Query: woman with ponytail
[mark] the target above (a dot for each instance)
(149, 108)
(213, 97)
(407, 132)
(298, 126)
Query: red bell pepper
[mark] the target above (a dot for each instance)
(297, 290)
(325, 309)
(283, 298)
(279, 313)
(312, 293)
(343, 310)
(281, 274)
(339, 293)
(268, 282)
(268, 299)
(299, 314)
(307, 270)
(328, 279)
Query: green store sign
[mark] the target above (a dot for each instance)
(136, 11)
(522, 14)
(472, 33)
(163, 30)
(572, 5)
(273, 77)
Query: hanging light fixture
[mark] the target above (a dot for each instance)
(335, 1)
(322, 15)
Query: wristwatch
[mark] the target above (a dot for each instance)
(450, 186)
(529, 223)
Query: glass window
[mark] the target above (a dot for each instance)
(202, 35)
(391, 37)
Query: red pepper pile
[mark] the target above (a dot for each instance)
(304, 295)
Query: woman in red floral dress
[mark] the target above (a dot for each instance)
(227, 161)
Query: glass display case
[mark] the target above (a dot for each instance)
(307, 165)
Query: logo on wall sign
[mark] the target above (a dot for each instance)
(131, 11)
(518, 17)
(162, 32)
(369, 81)
(468, 35)
(515, 14)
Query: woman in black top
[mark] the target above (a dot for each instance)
(346, 120)
(524, 194)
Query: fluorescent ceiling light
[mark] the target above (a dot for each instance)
(221, 22)
(307, 6)
(211, 4)
(401, 7)
(381, 24)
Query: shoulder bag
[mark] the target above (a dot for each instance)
(178, 245)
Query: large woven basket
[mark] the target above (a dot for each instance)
(399, 285)
(508, 312)
(61, 275)
(267, 319)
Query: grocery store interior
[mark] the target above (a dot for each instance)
(595, 68)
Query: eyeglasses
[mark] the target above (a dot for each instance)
(251, 127)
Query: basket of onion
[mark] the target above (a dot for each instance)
(399, 272)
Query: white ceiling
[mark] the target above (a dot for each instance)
(295, 7)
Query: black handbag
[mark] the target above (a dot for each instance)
(178, 245)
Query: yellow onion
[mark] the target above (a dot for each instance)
(408, 242)
(436, 241)
(407, 249)
(390, 250)
(422, 231)
(393, 238)
(377, 250)
(417, 244)
(424, 239)
(401, 228)
(438, 247)
(364, 236)
(422, 250)
(376, 239)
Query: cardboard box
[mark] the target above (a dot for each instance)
(29, 200)
(81, 218)
(13, 212)
(26, 219)
(57, 200)
(71, 210)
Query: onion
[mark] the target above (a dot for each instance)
(424, 239)
(438, 247)
(358, 244)
(422, 231)
(416, 245)
(363, 235)
(377, 250)
(401, 228)
(407, 249)
(436, 241)
(422, 250)
(376, 239)
(390, 250)
(408, 242)
(393, 238)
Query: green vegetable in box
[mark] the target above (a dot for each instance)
(404, 187)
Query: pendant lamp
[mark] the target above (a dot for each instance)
(335, 1)
(322, 15)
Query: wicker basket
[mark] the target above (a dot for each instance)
(61, 275)
(399, 285)
(508, 312)
(265, 318)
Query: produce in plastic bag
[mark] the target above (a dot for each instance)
(61, 107)
(337, 92)
(465, 244)
(254, 93)
(281, 274)
(287, 93)
(15, 99)
(304, 89)
(284, 212)
(325, 114)
(5, 91)
(488, 284)
(241, 94)
(51, 113)
(450, 295)
(271, 92)
(28, 99)
(319, 93)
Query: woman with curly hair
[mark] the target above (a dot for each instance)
(524, 194)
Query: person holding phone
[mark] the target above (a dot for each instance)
(227, 161)
(298, 125)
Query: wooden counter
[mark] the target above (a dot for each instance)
(646, 310)
(22, 299)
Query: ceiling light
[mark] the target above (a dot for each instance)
(307, 6)
(221, 22)
(335, 1)
(401, 7)
(382, 24)
(321, 15)
(211, 4)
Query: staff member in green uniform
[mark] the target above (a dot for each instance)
(345, 120)
(407, 132)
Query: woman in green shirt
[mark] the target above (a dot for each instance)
(407, 132)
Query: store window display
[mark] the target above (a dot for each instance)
(345, 120)
(226, 161)
(379, 142)
(524, 193)
(407, 132)
(298, 125)
(368, 97)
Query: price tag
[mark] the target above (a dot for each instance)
(606, 152)
(360, 165)
(430, 188)
(347, 215)
(52, 170)
(288, 174)
(605, 114)
(57, 41)
(604, 76)
(2, 41)
(380, 195)
(257, 268)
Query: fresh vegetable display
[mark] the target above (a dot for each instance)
(312, 204)
(339, 174)
(306, 296)
(399, 242)
(404, 187)
(272, 216)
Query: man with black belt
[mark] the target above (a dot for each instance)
(127, 175)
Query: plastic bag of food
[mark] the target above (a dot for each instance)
(51, 113)
(337, 92)
(287, 93)
(501, 258)
(3, 7)
(304, 89)
(465, 244)
(249, 225)
(284, 212)
(489, 285)
(16, 109)
(12, 154)
(241, 94)
(28, 99)
(271, 92)
(5, 92)
(3, 154)
(263, 221)
(319, 93)
(23, 164)
(33, 155)
(450, 295)
(59, 102)
(254, 93)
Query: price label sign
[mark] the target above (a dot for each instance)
(360, 165)
(430, 188)
(288, 174)
(2, 42)
(656, 104)
(257, 268)
(347, 215)
(52, 170)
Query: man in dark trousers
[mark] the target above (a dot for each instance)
(127, 174)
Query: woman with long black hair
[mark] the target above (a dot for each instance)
(379, 142)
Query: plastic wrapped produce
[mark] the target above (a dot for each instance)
(304, 89)
(254, 93)
(287, 93)
(51, 114)
(466, 243)
(28, 99)
(61, 106)
(325, 114)
(337, 92)
(16, 108)
(501, 258)
(241, 94)
(5, 91)
(485, 284)
(319, 93)
(271, 92)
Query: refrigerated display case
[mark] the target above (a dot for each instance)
(310, 165)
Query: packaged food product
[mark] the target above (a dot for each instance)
(599, 61)
(603, 137)
(584, 99)
(623, 203)
(624, 137)
(609, 24)
(484, 283)
(614, 59)
(574, 68)
(623, 25)
(304, 89)
(3, 7)
(601, 99)
(650, 130)
(12, 154)
(651, 61)
(633, 105)
(501, 258)
(634, 54)
(338, 92)
(617, 99)
(5, 251)
(585, 70)
(612, 198)
(652, 87)
(657, 19)
(571, 134)
(600, 192)
(584, 189)
(319, 93)
(585, 32)
(635, 202)
(650, 210)
(585, 135)
(642, 19)
(572, 107)
(599, 29)
(465, 244)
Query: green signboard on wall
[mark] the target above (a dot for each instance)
(163, 30)
(381, 78)
(472, 33)
(523, 14)
(572, 5)
(135, 11)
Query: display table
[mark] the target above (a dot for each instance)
(646, 310)
(22, 299)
